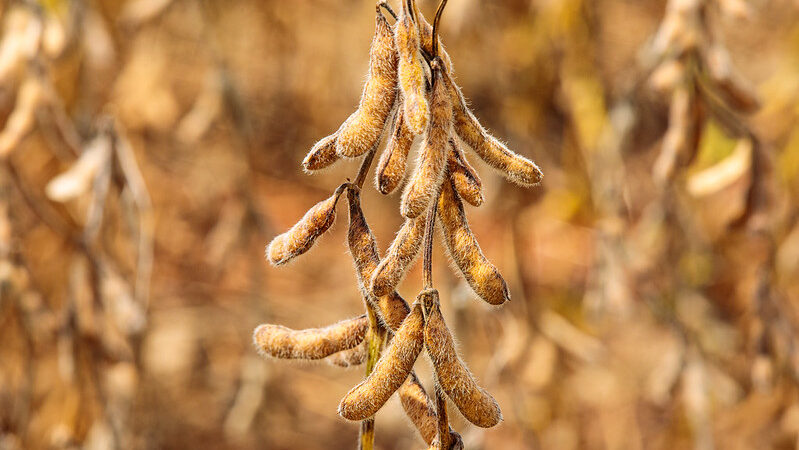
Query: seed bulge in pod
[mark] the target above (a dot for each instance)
(425, 182)
(315, 343)
(362, 130)
(302, 236)
(482, 276)
(476, 405)
(391, 370)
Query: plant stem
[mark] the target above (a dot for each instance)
(374, 342)
(376, 335)
(436, 22)
(365, 165)
(428, 246)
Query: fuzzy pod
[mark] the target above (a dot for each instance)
(349, 358)
(361, 132)
(314, 343)
(463, 176)
(419, 408)
(391, 167)
(391, 370)
(400, 256)
(481, 275)
(411, 73)
(322, 155)
(391, 307)
(514, 167)
(302, 236)
(476, 405)
(425, 182)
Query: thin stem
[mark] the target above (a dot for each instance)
(428, 246)
(388, 9)
(374, 341)
(365, 165)
(436, 22)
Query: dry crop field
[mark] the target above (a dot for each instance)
(529, 224)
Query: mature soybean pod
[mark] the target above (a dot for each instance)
(463, 176)
(362, 130)
(425, 182)
(400, 256)
(391, 307)
(391, 167)
(389, 373)
(481, 275)
(411, 73)
(349, 358)
(302, 236)
(477, 405)
(322, 155)
(419, 407)
(314, 343)
(515, 168)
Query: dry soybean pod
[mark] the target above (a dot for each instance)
(391, 168)
(314, 343)
(301, 237)
(425, 181)
(391, 307)
(410, 72)
(322, 155)
(477, 405)
(399, 257)
(348, 358)
(389, 373)
(481, 275)
(515, 168)
(362, 130)
(463, 176)
(419, 408)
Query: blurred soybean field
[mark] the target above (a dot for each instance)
(151, 148)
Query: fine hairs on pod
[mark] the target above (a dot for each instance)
(362, 130)
(476, 405)
(424, 184)
(410, 72)
(322, 155)
(399, 257)
(302, 236)
(315, 343)
(482, 276)
(390, 307)
(390, 371)
(391, 167)
(464, 178)
(515, 168)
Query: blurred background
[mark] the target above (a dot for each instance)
(151, 148)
